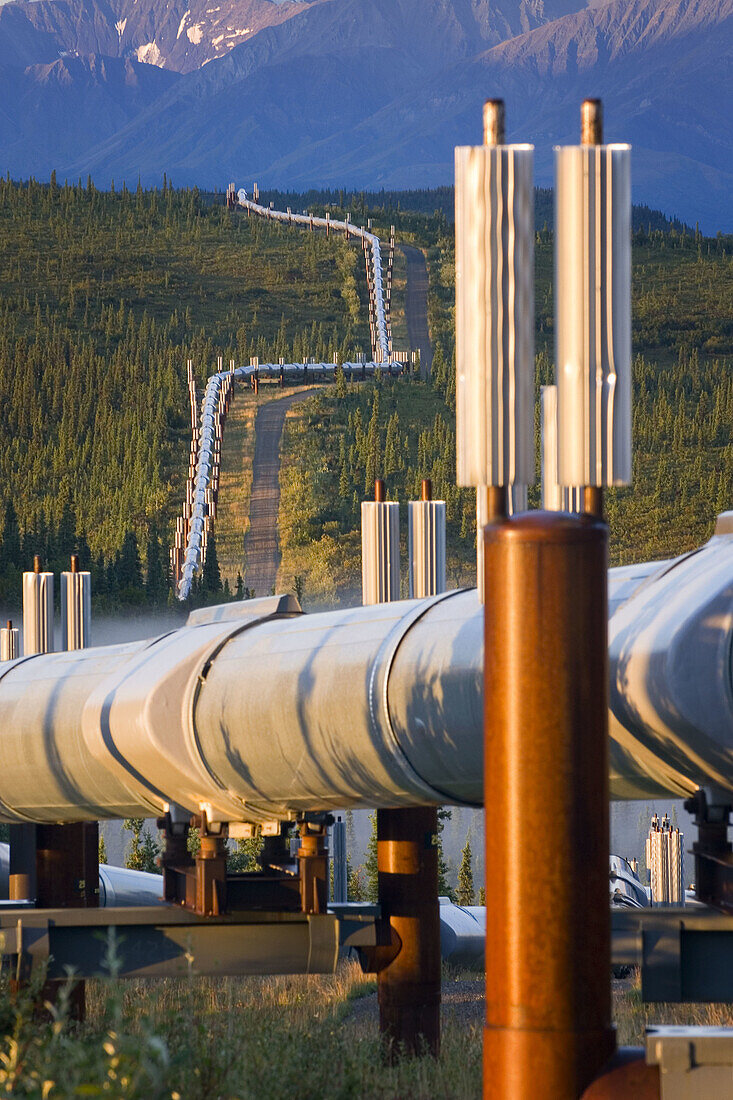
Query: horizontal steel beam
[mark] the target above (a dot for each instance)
(685, 954)
(168, 942)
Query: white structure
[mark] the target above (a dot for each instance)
(37, 613)
(555, 497)
(380, 551)
(76, 610)
(593, 313)
(9, 642)
(426, 547)
(665, 861)
(495, 315)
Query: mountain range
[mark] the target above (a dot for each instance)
(364, 93)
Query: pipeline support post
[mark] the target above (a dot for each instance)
(409, 987)
(408, 965)
(313, 866)
(548, 1004)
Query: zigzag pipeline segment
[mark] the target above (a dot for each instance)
(310, 221)
(219, 385)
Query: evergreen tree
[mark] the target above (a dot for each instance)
(444, 890)
(11, 552)
(371, 889)
(465, 893)
(155, 581)
(143, 848)
(102, 849)
(210, 576)
(65, 541)
(239, 590)
(127, 564)
(246, 855)
(85, 554)
(355, 884)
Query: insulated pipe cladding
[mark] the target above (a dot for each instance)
(253, 712)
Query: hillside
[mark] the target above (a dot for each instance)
(103, 297)
(363, 93)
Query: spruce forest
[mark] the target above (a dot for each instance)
(105, 295)
(103, 298)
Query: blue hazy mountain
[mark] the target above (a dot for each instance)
(364, 93)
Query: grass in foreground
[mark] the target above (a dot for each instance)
(632, 1016)
(229, 1039)
(271, 1038)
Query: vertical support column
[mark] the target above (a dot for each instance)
(407, 856)
(340, 877)
(408, 989)
(211, 872)
(37, 638)
(37, 610)
(57, 865)
(548, 1004)
(313, 866)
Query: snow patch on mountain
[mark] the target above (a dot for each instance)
(230, 34)
(120, 27)
(195, 33)
(182, 24)
(149, 54)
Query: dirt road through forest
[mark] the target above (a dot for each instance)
(261, 543)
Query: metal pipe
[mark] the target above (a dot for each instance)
(548, 1012)
(369, 706)
(494, 122)
(591, 122)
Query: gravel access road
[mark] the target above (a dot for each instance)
(416, 306)
(261, 543)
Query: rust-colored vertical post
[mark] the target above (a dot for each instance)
(591, 133)
(409, 988)
(548, 1006)
(591, 122)
(407, 858)
(313, 868)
